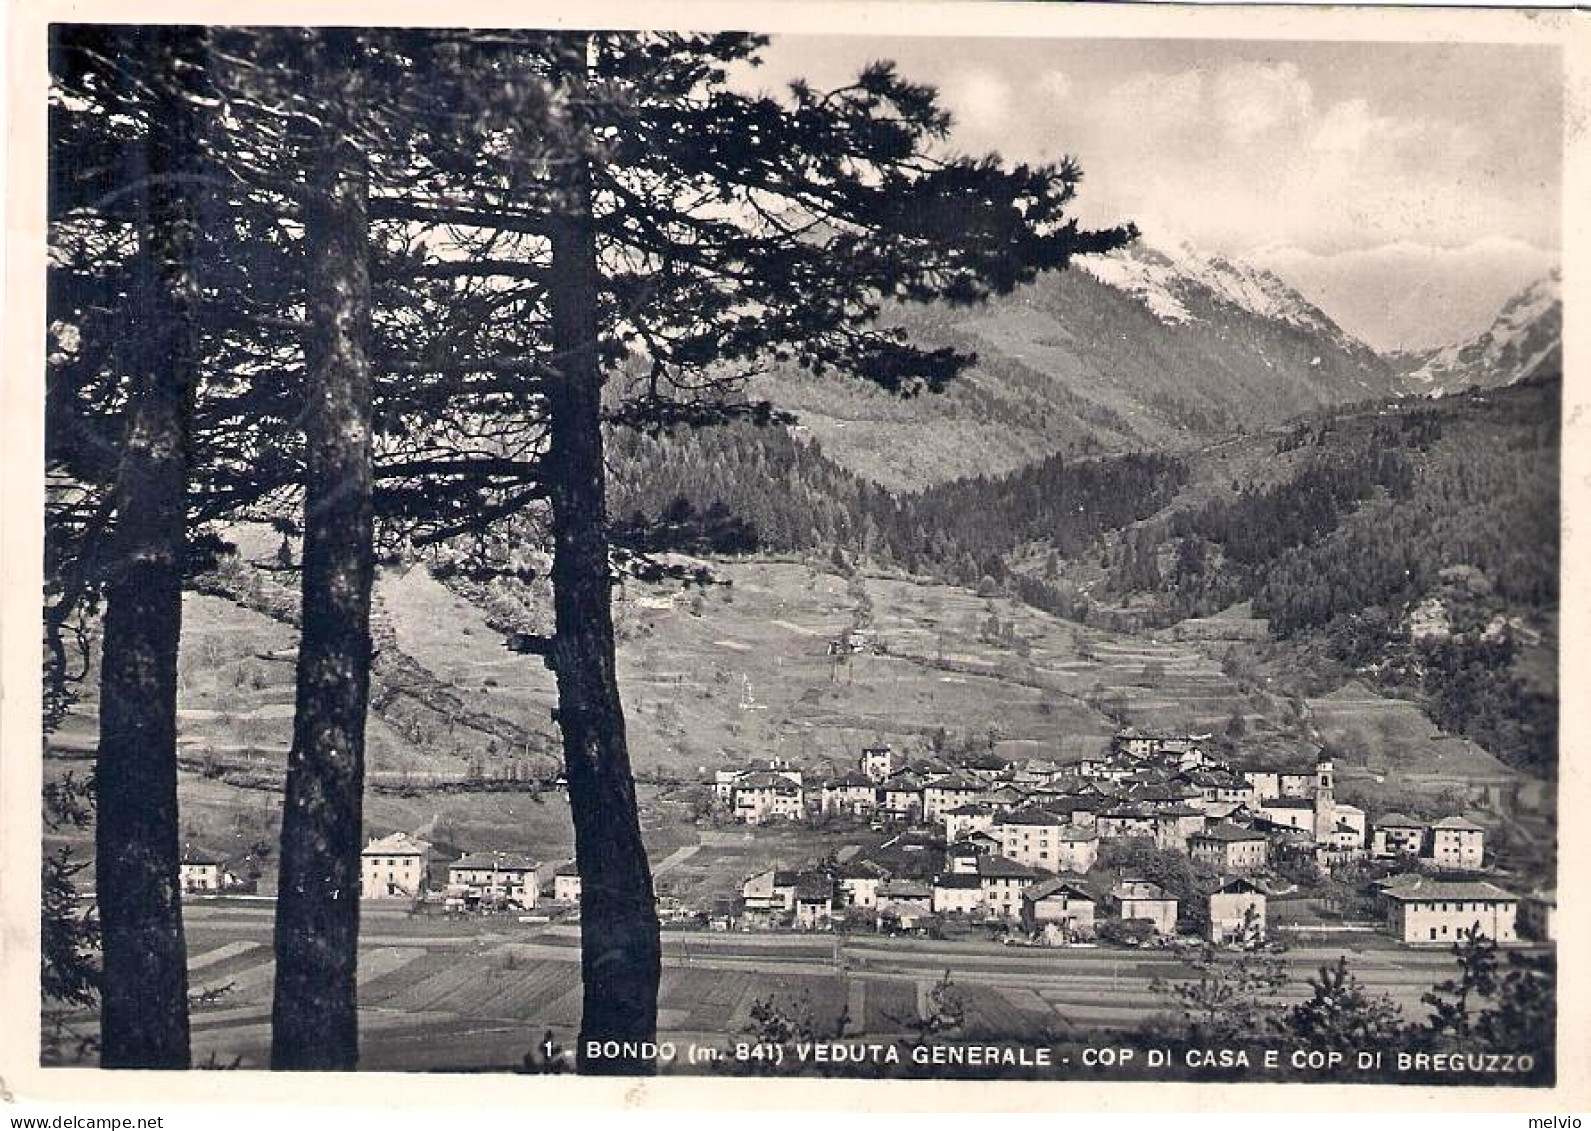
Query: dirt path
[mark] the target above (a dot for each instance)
(674, 859)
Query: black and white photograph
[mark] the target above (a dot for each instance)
(837, 553)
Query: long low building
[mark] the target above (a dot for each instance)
(1424, 910)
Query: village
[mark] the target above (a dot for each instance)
(1155, 839)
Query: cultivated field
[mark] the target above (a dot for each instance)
(477, 994)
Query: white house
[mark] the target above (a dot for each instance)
(1423, 910)
(948, 792)
(497, 875)
(958, 893)
(1394, 834)
(393, 867)
(1047, 841)
(902, 796)
(763, 796)
(1003, 884)
(1140, 899)
(853, 794)
(1457, 843)
(1237, 912)
(859, 882)
(964, 820)
(566, 883)
(1229, 848)
(199, 871)
(880, 762)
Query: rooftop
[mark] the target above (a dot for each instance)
(957, 781)
(500, 861)
(1029, 817)
(1046, 888)
(1458, 823)
(959, 880)
(852, 779)
(765, 779)
(1139, 889)
(398, 844)
(1000, 868)
(1424, 888)
(1397, 821)
(1227, 833)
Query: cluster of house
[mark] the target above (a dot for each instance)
(891, 891)
(987, 839)
(1166, 789)
(1019, 834)
(399, 866)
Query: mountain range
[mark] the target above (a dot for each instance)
(1146, 349)
(1160, 348)
(1525, 340)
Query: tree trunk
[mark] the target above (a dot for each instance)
(144, 988)
(620, 951)
(314, 1015)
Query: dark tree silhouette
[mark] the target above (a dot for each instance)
(144, 996)
(715, 232)
(314, 1014)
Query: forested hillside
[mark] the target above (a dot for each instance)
(744, 488)
(1411, 543)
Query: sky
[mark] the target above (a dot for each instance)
(1406, 189)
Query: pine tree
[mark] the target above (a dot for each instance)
(144, 985)
(314, 1014)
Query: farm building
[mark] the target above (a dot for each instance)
(1060, 908)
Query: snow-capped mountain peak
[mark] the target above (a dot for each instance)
(1170, 279)
(1525, 339)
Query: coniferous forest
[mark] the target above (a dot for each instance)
(1380, 506)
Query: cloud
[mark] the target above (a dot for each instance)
(1409, 294)
(1347, 128)
(1162, 103)
(1054, 86)
(979, 100)
(1253, 99)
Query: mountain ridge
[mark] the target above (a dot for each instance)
(1525, 340)
(1143, 349)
